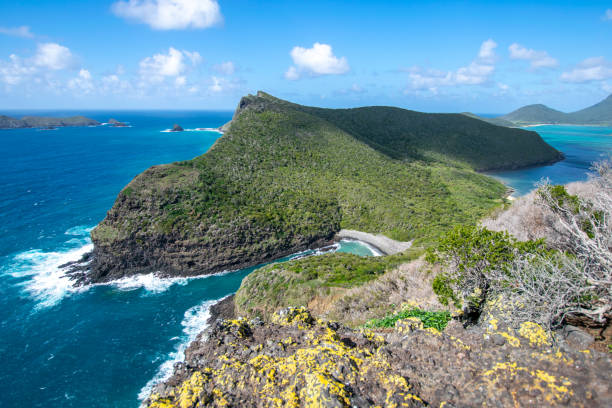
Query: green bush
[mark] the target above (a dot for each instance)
(437, 320)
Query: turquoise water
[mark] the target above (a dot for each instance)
(100, 346)
(582, 145)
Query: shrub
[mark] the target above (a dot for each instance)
(437, 320)
(572, 276)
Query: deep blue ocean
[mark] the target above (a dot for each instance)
(101, 346)
(104, 346)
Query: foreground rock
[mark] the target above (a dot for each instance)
(297, 361)
(7, 122)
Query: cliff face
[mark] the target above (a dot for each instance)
(298, 361)
(285, 177)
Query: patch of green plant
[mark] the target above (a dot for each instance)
(437, 320)
(443, 289)
(299, 282)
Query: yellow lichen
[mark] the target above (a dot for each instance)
(536, 335)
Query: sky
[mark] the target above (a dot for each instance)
(434, 56)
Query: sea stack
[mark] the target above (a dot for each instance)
(116, 123)
(177, 128)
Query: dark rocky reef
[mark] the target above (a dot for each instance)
(298, 361)
(7, 122)
(177, 128)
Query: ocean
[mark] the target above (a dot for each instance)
(106, 345)
(582, 146)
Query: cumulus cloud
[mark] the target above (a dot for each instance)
(225, 68)
(315, 61)
(49, 57)
(15, 70)
(82, 83)
(53, 56)
(170, 14)
(538, 59)
(173, 64)
(478, 72)
(608, 15)
(591, 69)
(22, 31)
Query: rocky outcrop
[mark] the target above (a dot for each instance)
(298, 361)
(116, 123)
(177, 128)
(7, 122)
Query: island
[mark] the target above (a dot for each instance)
(177, 128)
(598, 114)
(116, 123)
(286, 177)
(7, 122)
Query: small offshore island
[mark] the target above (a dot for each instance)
(429, 323)
(6, 122)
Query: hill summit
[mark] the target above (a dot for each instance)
(286, 177)
(598, 114)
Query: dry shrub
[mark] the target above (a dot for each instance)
(409, 283)
(577, 281)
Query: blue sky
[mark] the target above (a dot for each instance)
(204, 54)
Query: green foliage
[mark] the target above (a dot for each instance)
(283, 176)
(298, 282)
(437, 320)
(442, 288)
(469, 255)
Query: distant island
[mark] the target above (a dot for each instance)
(116, 123)
(538, 114)
(286, 177)
(7, 122)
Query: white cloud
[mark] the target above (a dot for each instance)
(216, 85)
(170, 14)
(608, 15)
(53, 56)
(180, 81)
(315, 61)
(173, 64)
(538, 59)
(477, 72)
(22, 31)
(15, 70)
(82, 83)
(591, 69)
(225, 68)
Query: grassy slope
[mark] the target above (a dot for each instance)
(282, 177)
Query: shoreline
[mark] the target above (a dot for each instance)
(381, 243)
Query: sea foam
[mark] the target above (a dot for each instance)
(40, 273)
(194, 321)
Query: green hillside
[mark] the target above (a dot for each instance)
(532, 114)
(598, 114)
(283, 178)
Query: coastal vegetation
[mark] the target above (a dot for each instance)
(285, 177)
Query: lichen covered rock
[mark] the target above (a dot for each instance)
(299, 361)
